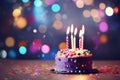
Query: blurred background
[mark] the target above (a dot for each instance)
(36, 29)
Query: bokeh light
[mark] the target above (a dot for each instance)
(45, 49)
(102, 6)
(12, 54)
(42, 29)
(21, 22)
(38, 3)
(56, 8)
(57, 25)
(80, 3)
(86, 13)
(109, 11)
(3, 54)
(64, 16)
(36, 45)
(16, 12)
(58, 16)
(88, 2)
(103, 39)
(9, 41)
(97, 19)
(62, 45)
(34, 30)
(94, 13)
(22, 50)
(103, 27)
(22, 43)
(116, 10)
(49, 2)
(25, 1)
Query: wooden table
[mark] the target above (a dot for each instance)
(40, 70)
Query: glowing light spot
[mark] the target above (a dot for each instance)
(62, 45)
(116, 10)
(55, 8)
(102, 6)
(96, 19)
(3, 54)
(88, 2)
(101, 13)
(80, 3)
(25, 1)
(34, 30)
(22, 50)
(86, 13)
(16, 12)
(9, 41)
(22, 43)
(58, 16)
(49, 2)
(36, 45)
(43, 55)
(103, 27)
(38, 3)
(64, 16)
(42, 29)
(109, 11)
(57, 25)
(94, 13)
(12, 54)
(45, 49)
(103, 39)
(21, 22)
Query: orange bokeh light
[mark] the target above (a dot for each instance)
(103, 39)
(62, 45)
(20, 22)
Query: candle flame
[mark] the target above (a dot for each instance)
(71, 28)
(83, 29)
(75, 32)
(80, 33)
(68, 30)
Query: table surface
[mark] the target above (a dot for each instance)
(40, 70)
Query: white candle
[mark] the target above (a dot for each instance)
(67, 39)
(72, 36)
(83, 31)
(80, 39)
(75, 32)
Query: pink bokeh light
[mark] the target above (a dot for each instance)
(103, 27)
(36, 45)
(45, 49)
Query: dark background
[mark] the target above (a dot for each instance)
(69, 14)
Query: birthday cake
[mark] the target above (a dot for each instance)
(74, 60)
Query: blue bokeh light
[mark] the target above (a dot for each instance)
(22, 50)
(12, 54)
(55, 7)
(38, 3)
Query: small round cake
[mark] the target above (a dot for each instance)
(73, 61)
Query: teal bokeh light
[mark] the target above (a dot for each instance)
(55, 7)
(25, 1)
(22, 50)
(38, 3)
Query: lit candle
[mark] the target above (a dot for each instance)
(83, 31)
(67, 41)
(80, 39)
(72, 36)
(75, 32)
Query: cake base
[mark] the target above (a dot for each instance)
(92, 71)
